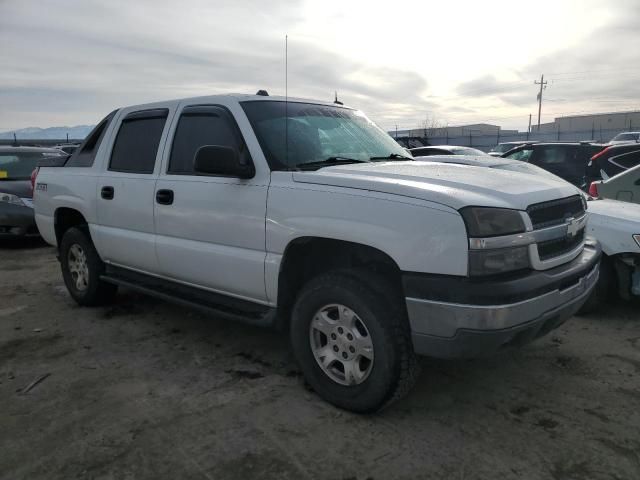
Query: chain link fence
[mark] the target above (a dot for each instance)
(486, 142)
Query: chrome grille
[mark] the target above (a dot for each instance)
(555, 212)
(559, 246)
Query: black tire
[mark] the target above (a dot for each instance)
(604, 290)
(394, 369)
(97, 291)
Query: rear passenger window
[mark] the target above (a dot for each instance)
(627, 160)
(136, 145)
(84, 155)
(199, 126)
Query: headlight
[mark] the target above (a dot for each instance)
(637, 239)
(491, 222)
(483, 222)
(12, 199)
(491, 262)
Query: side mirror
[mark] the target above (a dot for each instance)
(221, 160)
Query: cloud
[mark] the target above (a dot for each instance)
(79, 70)
(598, 73)
(70, 62)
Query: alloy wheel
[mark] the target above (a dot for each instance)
(77, 263)
(341, 344)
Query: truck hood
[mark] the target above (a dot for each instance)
(614, 223)
(454, 185)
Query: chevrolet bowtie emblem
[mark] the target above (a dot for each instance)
(572, 227)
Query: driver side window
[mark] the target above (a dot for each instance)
(523, 155)
(199, 126)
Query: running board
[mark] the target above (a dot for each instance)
(209, 302)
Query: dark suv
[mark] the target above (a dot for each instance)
(611, 161)
(566, 160)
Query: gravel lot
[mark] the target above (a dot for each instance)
(145, 389)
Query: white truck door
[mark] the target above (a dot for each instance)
(126, 188)
(210, 229)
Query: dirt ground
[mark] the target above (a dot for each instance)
(144, 389)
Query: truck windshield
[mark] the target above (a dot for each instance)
(316, 133)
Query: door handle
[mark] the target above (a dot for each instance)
(164, 197)
(107, 193)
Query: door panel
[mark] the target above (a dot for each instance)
(125, 223)
(213, 235)
(125, 230)
(559, 160)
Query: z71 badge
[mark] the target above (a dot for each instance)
(41, 186)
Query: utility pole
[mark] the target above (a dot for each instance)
(396, 132)
(529, 129)
(542, 84)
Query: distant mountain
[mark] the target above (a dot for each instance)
(53, 133)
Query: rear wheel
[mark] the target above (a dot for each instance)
(351, 338)
(81, 269)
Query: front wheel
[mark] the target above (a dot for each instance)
(81, 269)
(351, 337)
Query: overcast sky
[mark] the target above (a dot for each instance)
(71, 62)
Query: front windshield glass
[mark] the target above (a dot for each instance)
(316, 133)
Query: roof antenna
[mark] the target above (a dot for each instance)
(286, 99)
(336, 101)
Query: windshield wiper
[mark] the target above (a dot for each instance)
(392, 156)
(330, 161)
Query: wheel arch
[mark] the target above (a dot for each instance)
(66, 218)
(309, 256)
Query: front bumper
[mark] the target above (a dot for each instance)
(469, 318)
(16, 221)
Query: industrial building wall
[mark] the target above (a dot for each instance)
(611, 121)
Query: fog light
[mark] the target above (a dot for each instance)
(491, 262)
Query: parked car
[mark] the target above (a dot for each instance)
(16, 207)
(566, 160)
(444, 150)
(624, 187)
(504, 147)
(330, 232)
(616, 225)
(611, 161)
(625, 137)
(487, 161)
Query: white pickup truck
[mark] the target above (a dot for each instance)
(307, 217)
